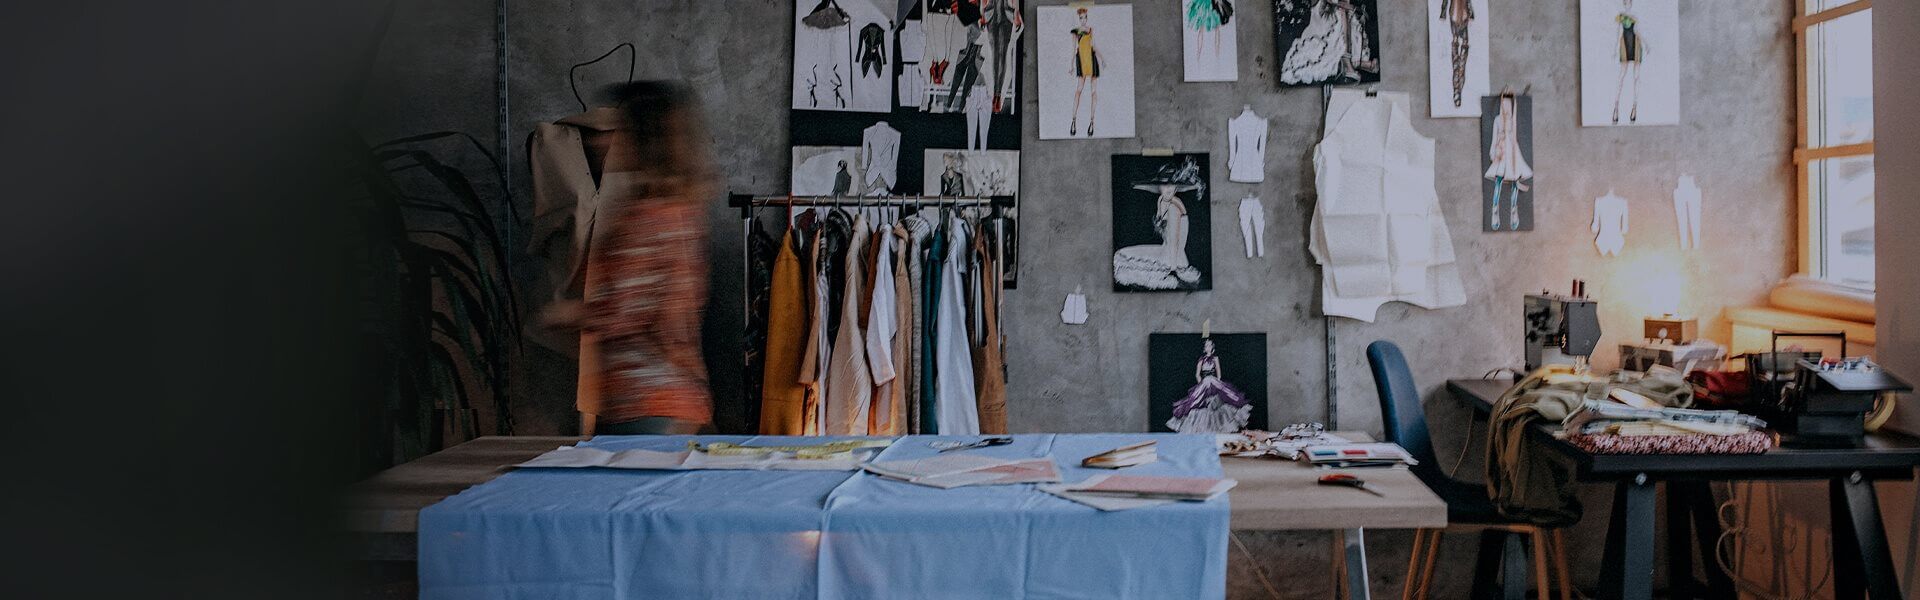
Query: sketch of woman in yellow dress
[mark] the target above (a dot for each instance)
(1086, 72)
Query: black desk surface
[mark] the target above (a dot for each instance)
(1885, 455)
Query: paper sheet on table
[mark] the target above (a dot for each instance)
(947, 471)
(576, 457)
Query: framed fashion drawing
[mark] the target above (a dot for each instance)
(1162, 241)
(1629, 62)
(954, 172)
(1506, 163)
(1085, 72)
(1327, 41)
(1200, 383)
(1457, 53)
(1209, 40)
(827, 171)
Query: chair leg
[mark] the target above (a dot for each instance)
(1339, 564)
(1412, 580)
(1560, 564)
(1539, 542)
(1426, 570)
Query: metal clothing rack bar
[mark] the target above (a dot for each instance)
(747, 202)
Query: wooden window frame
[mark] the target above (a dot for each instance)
(1804, 152)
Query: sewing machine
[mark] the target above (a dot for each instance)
(1561, 329)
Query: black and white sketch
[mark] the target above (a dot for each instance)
(972, 172)
(1327, 41)
(1086, 72)
(841, 56)
(1211, 45)
(827, 171)
(1162, 240)
(1506, 134)
(1200, 383)
(969, 61)
(1629, 62)
(1457, 54)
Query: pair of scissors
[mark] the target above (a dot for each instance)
(1349, 481)
(985, 442)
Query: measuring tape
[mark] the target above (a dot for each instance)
(829, 450)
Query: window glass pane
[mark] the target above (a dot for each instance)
(1841, 98)
(1843, 193)
(1814, 6)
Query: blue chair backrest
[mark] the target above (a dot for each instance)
(1401, 413)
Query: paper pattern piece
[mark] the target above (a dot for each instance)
(1162, 232)
(1686, 211)
(1457, 53)
(1074, 312)
(1247, 147)
(1209, 42)
(1253, 226)
(1629, 62)
(1327, 41)
(1610, 224)
(1378, 232)
(1206, 383)
(1506, 186)
(1086, 72)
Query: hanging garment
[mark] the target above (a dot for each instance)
(880, 155)
(644, 303)
(569, 160)
(1378, 231)
(850, 383)
(935, 257)
(990, 370)
(814, 363)
(783, 398)
(918, 234)
(953, 385)
(1610, 224)
(1247, 148)
(1253, 226)
(888, 413)
(1686, 210)
(760, 257)
(906, 414)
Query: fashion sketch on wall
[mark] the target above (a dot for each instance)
(1506, 135)
(1161, 236)
(1327, 41)
(1210, 42)
(1629, 62)
(1200, 383)
(978, 173)
(1085, 72)
(890, 79)
(1457, 57)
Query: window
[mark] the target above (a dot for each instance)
(1834, 153)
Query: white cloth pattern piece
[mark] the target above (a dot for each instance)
(1686, 209)
(979, 117)
(1075, 310)
(1610, 224)
(1253, 226)
(880, 154)
(1247, 148)
(953, 389)
(1378, 231)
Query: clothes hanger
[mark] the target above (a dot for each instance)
(572, 83)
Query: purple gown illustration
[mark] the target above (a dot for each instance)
(1212, 405)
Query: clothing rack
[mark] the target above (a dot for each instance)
(748, 202)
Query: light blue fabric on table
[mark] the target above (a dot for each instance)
(606, 533)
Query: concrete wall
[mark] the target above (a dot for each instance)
(1736, 138)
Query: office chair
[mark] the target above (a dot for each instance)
(1469, 508)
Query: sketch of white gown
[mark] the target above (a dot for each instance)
(1161, 266)
(1610, 224)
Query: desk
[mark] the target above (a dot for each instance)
(1272, 495)
(1859, 539)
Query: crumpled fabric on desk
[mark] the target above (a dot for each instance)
(1378, 232)
(1535, 484)
(605, 534)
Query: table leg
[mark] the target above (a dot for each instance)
(1486, 564)
(1706, 525)
(1863, 564)
(1357, 565)
(1628, 573)
(1680, 583)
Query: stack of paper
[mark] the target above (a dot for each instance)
(1122, 492)
(1359, 455)
(1124, 456)
(947, 471)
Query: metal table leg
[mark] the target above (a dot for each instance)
(1628, 573)
(1862, 563)
(1357, 565)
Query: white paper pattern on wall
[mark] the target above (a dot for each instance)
(1210, 40)
(1086, 72)
(1457, 53)
(1610, 224)
(1629, 62)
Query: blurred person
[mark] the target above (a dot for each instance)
(646, 283)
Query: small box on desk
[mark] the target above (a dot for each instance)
(1672, 329)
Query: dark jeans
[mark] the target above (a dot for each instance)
(653, 426)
